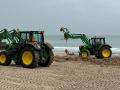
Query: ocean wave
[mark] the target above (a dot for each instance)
(76, 49)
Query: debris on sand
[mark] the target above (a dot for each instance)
(115, 60)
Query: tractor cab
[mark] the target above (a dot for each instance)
(32, 36)
(97, 41)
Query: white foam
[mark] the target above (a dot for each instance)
(76, 49)
(115, 50)
(62, 49)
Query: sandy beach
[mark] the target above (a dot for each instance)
(68, 72)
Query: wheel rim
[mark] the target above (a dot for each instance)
(84, 54)
(106, 53)
(27, 58)
(2, 58)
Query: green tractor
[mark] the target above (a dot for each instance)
(26, 48)
(93, 46)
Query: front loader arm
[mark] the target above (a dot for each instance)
(83, 37)
(10, 36)
(4, 34)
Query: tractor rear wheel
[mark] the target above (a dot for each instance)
(28, 58)
(84, 53)
(46, 61)
(105, 52)
(4, 59)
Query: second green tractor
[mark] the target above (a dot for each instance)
(93, 46)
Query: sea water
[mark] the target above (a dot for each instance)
(73, 44)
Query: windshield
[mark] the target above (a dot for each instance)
(32, 37)
(97, 41)
(37, 38)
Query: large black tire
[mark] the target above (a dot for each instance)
(84, 53)
(105, 52)
(5, 59)
(48, 61)
(28, 58)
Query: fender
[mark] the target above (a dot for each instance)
(27, 45)
(105, 45)
(49, 45)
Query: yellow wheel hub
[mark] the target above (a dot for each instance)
(84, 54)
(106, 53)
(2, 58)
(27, 58)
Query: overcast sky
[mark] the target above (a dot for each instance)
(80, 16)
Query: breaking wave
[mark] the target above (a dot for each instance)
(76, 49)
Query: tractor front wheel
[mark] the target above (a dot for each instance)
(4, 59)
(105, 52)
(84, 53)
(28, 58)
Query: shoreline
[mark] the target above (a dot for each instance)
(76, 53)
(113, 61)
(115, 51)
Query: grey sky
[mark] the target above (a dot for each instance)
(80, 16)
